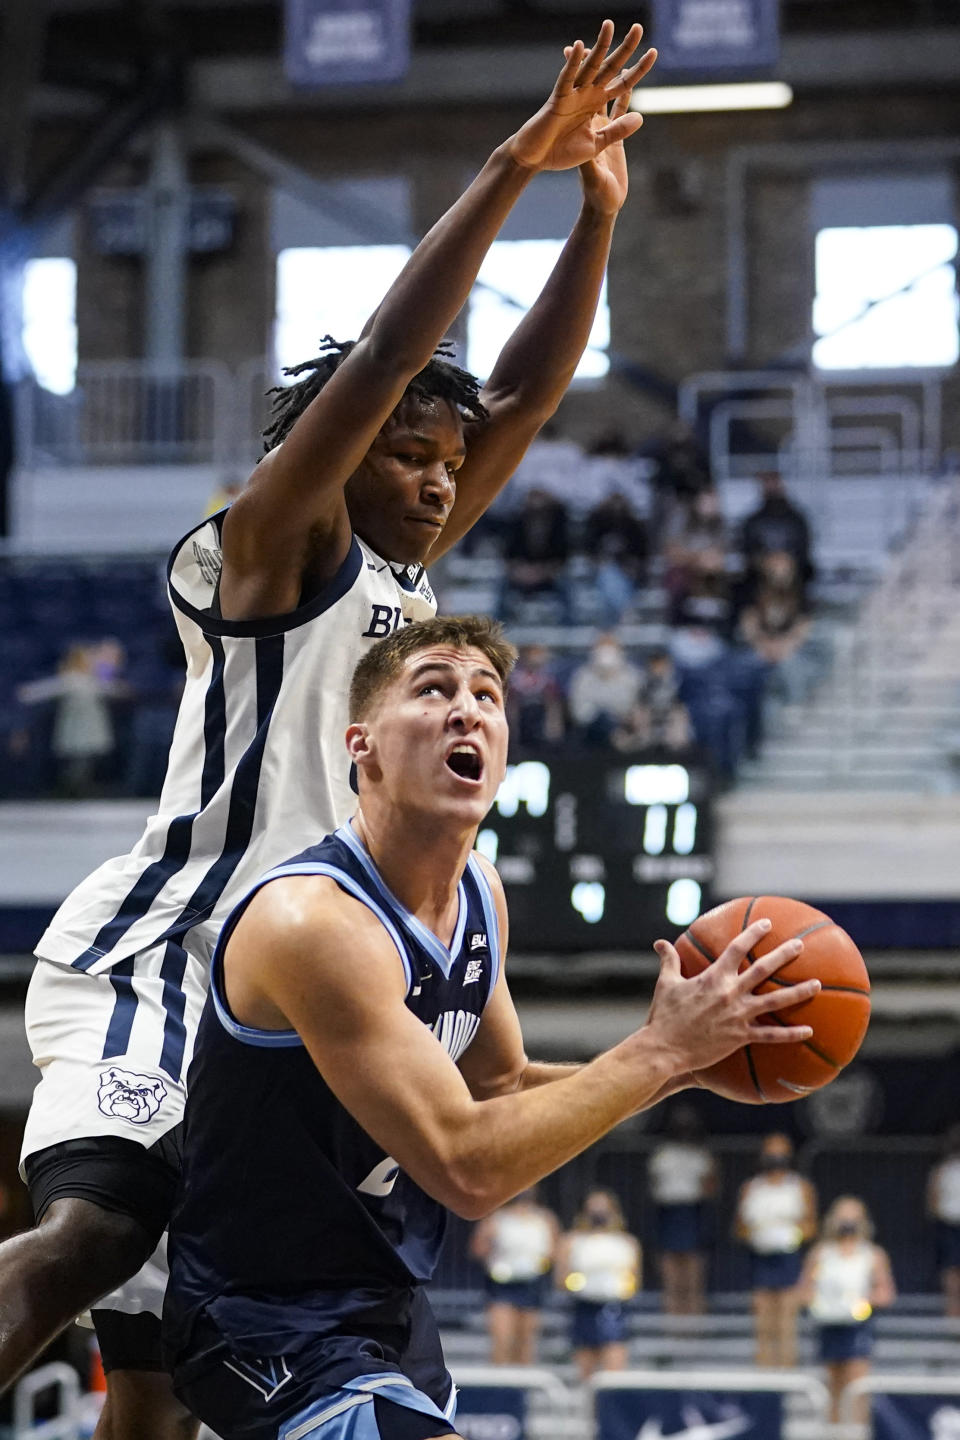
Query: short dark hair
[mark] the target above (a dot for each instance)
(383, 662)
(438, 380)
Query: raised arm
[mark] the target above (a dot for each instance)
(293, 515)
(538, 362)
(396, 1080)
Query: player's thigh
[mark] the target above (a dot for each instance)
(141, 1403)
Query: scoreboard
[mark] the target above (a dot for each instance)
(596, 853)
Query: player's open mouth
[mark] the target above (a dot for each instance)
(465, 762)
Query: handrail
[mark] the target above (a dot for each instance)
(65, 1425)
(895, 1385)
(521, 1377)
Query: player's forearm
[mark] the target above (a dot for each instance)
(538, 1072)
(538, 361)
(507, 1144)
(436, 281)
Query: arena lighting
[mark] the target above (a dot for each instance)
(753, 95)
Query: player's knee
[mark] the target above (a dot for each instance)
(89, 1240)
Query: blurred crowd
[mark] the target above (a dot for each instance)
(829, 1266)
(699, 626)
(634, 544)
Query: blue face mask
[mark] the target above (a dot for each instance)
(846, 1229)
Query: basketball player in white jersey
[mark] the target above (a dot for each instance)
(388, 456)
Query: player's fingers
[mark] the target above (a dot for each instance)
(669, 959)
(783, 997)
(767, 965)
(596, 56)
(780, 1034)
(741, 945)
(617, 131)
(619, 57)
(574, 54)
(625, 82)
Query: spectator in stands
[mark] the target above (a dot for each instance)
(83, 735)
(724, 713)
(777, 524)
(682, 471)
(224, 493)
(603, 691)
(845, 1279)
(535, 701)
(616, 542)
(694, 542)
(775, 624)
(682, 1175)
(536, 551)
(517, 1247)
(776, 1216)
(943, 1206)
(659, 718)
(599, 1264)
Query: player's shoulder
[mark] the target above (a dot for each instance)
(310, 913)
(489, 872)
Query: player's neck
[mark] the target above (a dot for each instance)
(420, 861)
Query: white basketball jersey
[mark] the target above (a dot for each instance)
(605, 1262)
(258, 769)
(774, 1212)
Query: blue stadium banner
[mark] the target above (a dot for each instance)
(346, 42)
(716, 37)
(492, 1412)
(916, 1417)
(676, 1414)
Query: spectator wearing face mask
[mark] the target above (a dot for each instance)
(682, 1175)
(777, 524)
(845, 1278)
(776, 1217)
(603, 691)
(599, 1264)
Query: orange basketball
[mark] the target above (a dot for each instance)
(771, 1074)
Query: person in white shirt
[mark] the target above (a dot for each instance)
(943, 1205)
(776, 1216)
(516, 1246)
(845, 1278)
(682, 1175)
(599, 1264)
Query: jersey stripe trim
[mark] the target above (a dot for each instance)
(249, 1035)
(174, 1003)
(489, 908)
(434, 947)
(211, 624)
(117, 1038)
(176, 851)
(241, 811)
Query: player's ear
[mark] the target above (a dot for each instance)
(358, 741)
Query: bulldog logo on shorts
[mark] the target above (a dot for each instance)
(126, 1096)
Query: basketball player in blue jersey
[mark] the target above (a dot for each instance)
(388, 455)
(359, 1070)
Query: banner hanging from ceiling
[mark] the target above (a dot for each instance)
(346, 42)
(721, 38)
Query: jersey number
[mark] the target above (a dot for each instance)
(381, 1179)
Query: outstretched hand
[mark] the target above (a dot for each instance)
(705, 1018)
(573, 127)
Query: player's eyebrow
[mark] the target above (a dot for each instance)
(425, 666)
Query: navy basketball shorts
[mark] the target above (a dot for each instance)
(104, 1123)
(775, 1272)
(521, 1294)
(595, 1325)
(390, 1384)
(837, 1343)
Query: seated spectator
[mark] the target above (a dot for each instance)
(536, 550)
(775, 624)
(682, 471)
(777, 524)
(156, 687)
(603, 691)
(616, 542)
(659, 717)
(694, 540)
(535, 701)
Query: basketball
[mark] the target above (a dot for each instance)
(839, 1014)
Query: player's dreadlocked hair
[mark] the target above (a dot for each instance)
(438, 380)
